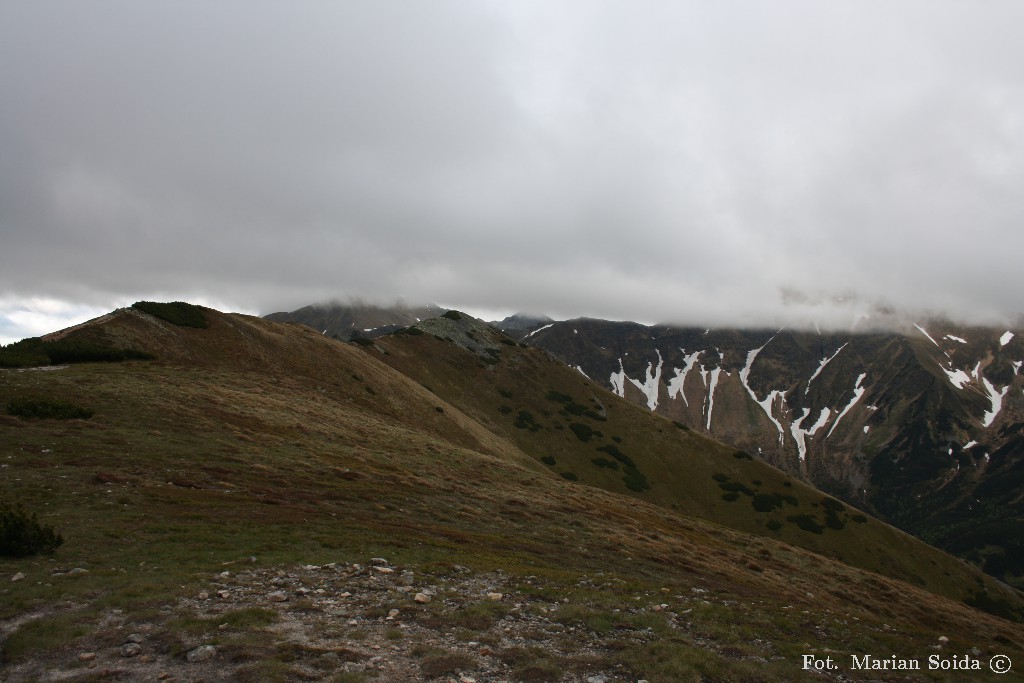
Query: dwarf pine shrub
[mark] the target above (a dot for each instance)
(22, 535)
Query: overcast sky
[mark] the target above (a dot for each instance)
(709, 162)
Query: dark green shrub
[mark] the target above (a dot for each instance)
(571, 476)
(33, 352)
(452, 315)
(681, 426)
(548, 460)
(730, 496)
(558, 397)
(617, 454)
(504, 410)
(177, 313)
(832, 504)
(773, 524)
(574, 408)
(742, 455)
(44, 408)
(22, 535)
(505, 393)
(807, 523)
(605, 463)
(524, 420)
(832, 520)
(635, 480)
(583, 432)
(859, 519)
(26, 353)
(719, 477)
(507, 342)
(362, 341)
(735, 486)
(766, 502)
(617, 439)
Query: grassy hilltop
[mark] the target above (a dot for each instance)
(233, 482)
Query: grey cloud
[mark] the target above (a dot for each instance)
(689, 161)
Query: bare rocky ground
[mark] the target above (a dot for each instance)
(373, 622)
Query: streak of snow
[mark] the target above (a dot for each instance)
(858, 391)
(970, 444)
(821, 366)
(325, 331)
(997, 401)
(539, 329)
(769, 400)
(618, 381)
(651, 383)
(676, 385)
(1016, 366)
(956, 338)
(866, 428)
(1005, 339)
(925, 333)
(950, 452)
(957, 377)
(711, 394)
(800, 435)
(580, 369)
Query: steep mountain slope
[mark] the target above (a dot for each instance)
(347, 320)
(584, 433)
(250, 438)
(924, 428)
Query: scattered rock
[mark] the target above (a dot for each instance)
(77, 571)
(943, 640)
(203, 653)
(379, 561)
(17, 577)
(384, 570)
(392, 613)
(597, 679)
(87, 656)
(422, 598)
(135, 638)
(278, 596)
(131, 650)
(495, 596)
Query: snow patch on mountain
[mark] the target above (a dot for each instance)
(1005, 339)
(821, 366)
(858, 391)
(1016, 366)
(996, 397)
(800, 435)
(539, 329)
(769, 400)
(958, 378)
(955, 338)
(579, 368)
(711, 393)
(651, 383)
(676, 385)
(925, 333)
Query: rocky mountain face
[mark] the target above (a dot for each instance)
(345, 321)
(923, 427)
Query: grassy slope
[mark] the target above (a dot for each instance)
(680, 466)
(251, 438)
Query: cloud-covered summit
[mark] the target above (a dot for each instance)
(728, 163)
